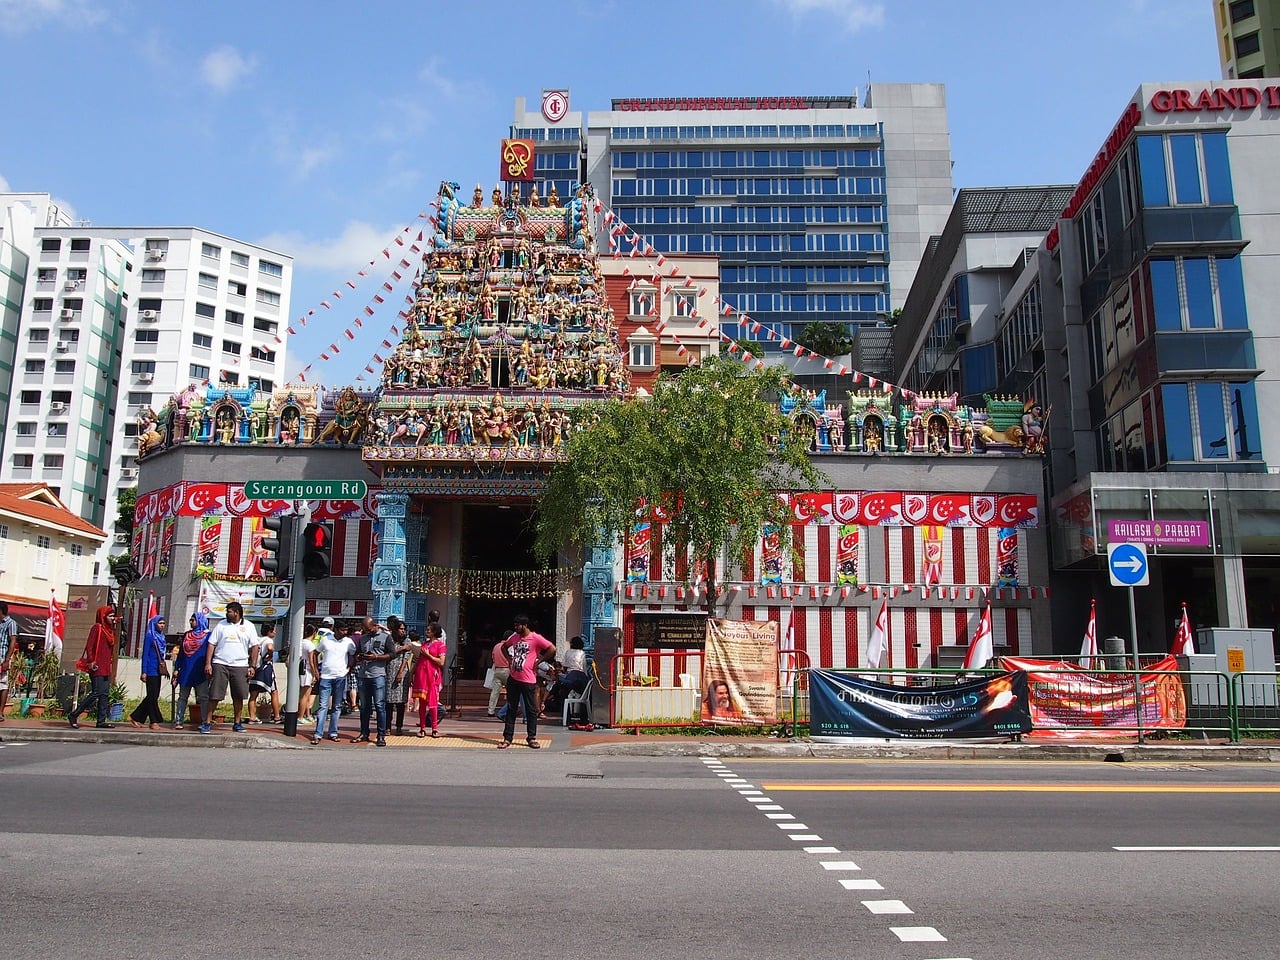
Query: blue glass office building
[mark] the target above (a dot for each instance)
(818, 208)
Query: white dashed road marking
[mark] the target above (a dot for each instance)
(887, 906)
(904, 934)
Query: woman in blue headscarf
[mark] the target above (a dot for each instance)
(188, 666)
(153, 668)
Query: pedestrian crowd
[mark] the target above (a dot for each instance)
(381, 670)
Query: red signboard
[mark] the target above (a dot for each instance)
(713, 103)
(517, 160)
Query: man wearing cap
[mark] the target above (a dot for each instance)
(330, 661)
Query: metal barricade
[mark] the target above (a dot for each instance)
(1256, 696)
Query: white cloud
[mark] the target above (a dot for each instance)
(4, 185)
(19, 15)
(224, 67)
(854, 14)
(348, 252)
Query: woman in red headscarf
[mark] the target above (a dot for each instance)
(98, 661)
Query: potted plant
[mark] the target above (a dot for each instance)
(117, 694)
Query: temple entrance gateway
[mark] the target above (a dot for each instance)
(497, 540)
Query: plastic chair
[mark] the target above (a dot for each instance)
(582, 699)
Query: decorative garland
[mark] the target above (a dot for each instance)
(492, 584)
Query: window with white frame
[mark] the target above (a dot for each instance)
(208, 281)
(236, 288)
(26, 428)
(38, 335)
(268, 297)
(641, 303)
(76, 550)
(642, 349)
(153, 276)
(146, 336)
(239, 259)
(210, 252)
(41, 565)
(34, 366)
(684, 302)
(56, 429)
(269, 269)
(202, 340)
(53, 461)
(4, 538)
(198, 371)
(22, 461)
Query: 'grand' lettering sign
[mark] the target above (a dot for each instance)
(1210, 99)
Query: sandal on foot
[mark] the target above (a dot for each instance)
(503, 744)
(435, 734)
(422, 733)
(533, 743)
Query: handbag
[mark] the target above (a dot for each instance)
(264, 677)
(488, 679)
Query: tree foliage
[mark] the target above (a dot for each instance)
(126, 504)
(826, 339)
(710, 450)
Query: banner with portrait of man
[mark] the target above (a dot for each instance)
(740, 672)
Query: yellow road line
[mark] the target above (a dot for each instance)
(1014, 788)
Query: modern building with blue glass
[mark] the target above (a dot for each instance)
(1146, 323)
(819, 208)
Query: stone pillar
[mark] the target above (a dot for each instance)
(1228, 575)
(597, 592)
(389, 577)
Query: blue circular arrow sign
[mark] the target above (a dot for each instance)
(1127, 563)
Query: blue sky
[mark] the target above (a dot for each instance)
(321, 129)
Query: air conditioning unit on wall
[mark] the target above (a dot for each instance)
(155, 253)
(146, 377)
(148, 315)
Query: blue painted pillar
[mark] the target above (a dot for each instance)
(389, 577)
(597, 593)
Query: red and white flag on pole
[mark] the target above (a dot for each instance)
(1089, 648)
(55, 628)
(980, 649)
(1184, 644)
(879, 640)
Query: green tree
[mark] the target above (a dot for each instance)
(710, 448)
(826, 339)
(126, 504)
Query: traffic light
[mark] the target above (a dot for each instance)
(275, 546)
(317, 541)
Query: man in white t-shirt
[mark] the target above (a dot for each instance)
(330, 661)
(226, 665)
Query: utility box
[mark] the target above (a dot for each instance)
(1233, 650)
(1113, 648)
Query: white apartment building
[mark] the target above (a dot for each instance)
(112, 322)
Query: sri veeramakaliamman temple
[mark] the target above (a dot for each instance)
(515, 332)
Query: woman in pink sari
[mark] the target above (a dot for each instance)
(428, 678)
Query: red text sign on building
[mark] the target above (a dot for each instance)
(713, 103)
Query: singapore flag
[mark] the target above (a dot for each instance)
(980, 649)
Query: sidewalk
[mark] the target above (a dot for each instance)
(476, 731)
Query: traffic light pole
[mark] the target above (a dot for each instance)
(297, 613)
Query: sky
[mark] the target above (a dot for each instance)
(323, 129)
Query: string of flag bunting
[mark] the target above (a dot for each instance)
(663, 275)
(396, 273)
(832, 592)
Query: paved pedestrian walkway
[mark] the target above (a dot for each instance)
(475, 731)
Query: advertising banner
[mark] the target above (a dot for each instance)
(261, 601)
(1068, 702)
(740, 672)
(843, 705)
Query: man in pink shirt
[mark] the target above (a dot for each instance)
(523, 649)
(501, 670)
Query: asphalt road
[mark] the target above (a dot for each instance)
(144, 852)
